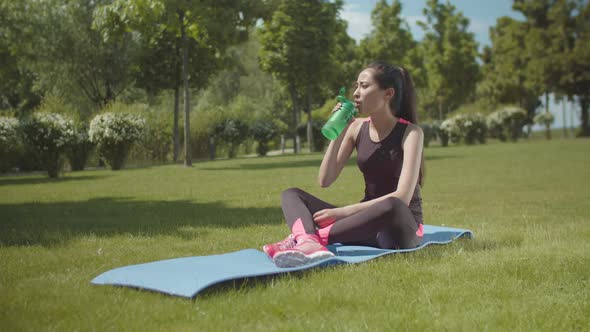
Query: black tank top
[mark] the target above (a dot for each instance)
(381, 165)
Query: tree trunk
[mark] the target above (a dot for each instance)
(563, 102)
(187, 147)
(295, 122)
(212, 147)
(177, 85)
(309, 120)
(584, 103)
(547, 125)
(572, 130)
(175, 140)
(309, 131)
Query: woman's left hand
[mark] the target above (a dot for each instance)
(327, 217)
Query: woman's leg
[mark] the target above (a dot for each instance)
(299, 207)
(387, 224)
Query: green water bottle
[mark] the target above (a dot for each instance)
(339, 119)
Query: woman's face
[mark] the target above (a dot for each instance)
(368, 96)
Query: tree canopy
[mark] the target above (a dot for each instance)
(92, 53)
(449, 51)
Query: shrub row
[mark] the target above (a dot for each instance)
(503, 124)
(48, 139)
(51, 137)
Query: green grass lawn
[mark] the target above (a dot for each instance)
(528, 267)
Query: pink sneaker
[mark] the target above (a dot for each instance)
(305, 252)
(272, 249)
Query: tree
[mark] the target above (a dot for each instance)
(16, 79)
(344, 63)
(557, 33)
(71, 58)
(159, 68)
(573, 21)
(209, 26)
(449, 53)
(542, 68)
(391, 38)
(19, 36)
(16, 84)
(504, 74)
(562, 25)
(296, 45)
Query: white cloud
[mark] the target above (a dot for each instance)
(359, 22)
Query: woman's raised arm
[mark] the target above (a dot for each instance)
(337, 154)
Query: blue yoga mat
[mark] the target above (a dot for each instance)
(189, 275)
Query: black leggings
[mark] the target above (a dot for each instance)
(386, 224)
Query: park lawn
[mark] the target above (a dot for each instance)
(528, 267)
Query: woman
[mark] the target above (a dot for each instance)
(389, 154)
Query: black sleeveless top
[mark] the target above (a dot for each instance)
(381, 165)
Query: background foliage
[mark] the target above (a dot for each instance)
(81, 56)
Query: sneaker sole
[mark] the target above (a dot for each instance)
(296, 258)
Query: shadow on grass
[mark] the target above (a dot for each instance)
(293, 164)
(49, 224)
(268, 165)
(430, 158)
(252, 283)
(22, 180)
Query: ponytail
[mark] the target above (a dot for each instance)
(408, 106)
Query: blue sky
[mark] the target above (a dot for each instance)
(482, 14)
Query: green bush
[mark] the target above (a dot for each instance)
(544, 118)
(264, 131)
(506, 122)
(450, 131)
(469, 128)
(50, 134)
(429, 130)
(9, 143)
(114, 134)
(474, 128)
(443, 132)
(29, 159)
(319, 141)
(223, 129)
(80, 147)
(233, 132)
(156, 141)
(203, 142)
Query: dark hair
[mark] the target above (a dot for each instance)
(403, 104)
